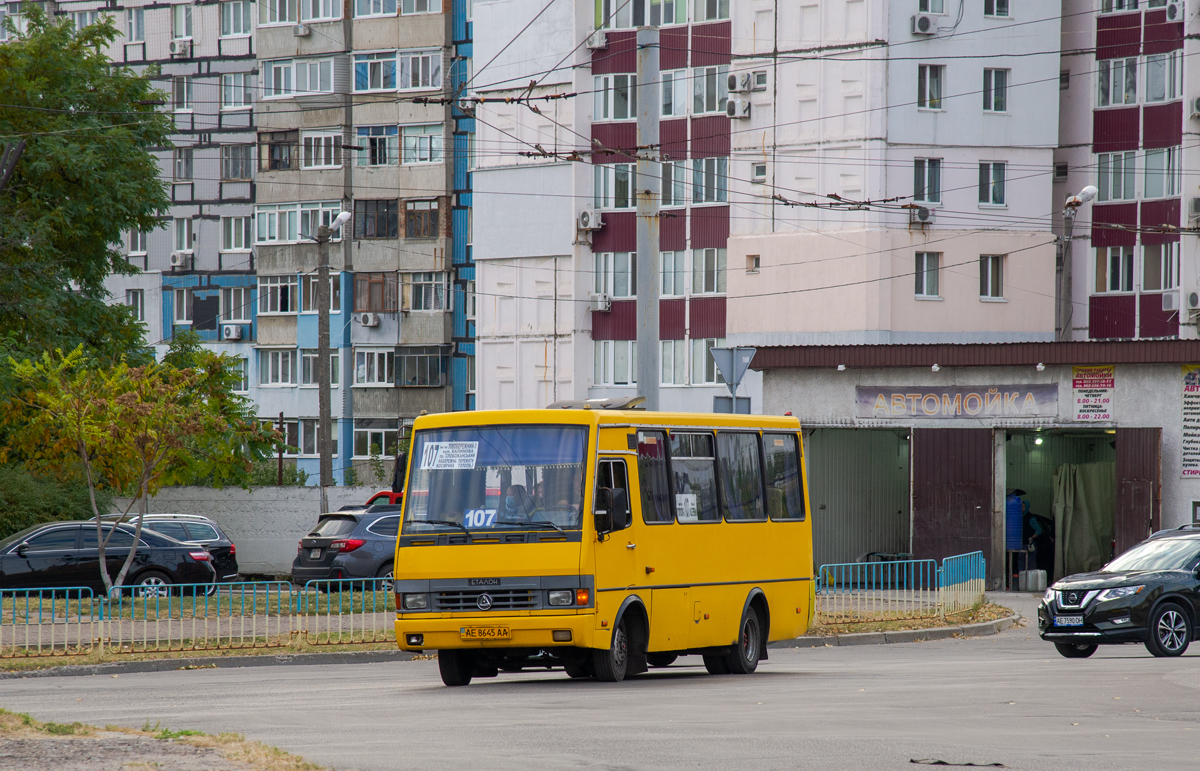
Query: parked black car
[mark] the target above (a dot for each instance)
(349, 544)
(193, 528)
(1150, 594)
(66, 554)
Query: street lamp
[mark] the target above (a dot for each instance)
(324, 407)
(1065, 289)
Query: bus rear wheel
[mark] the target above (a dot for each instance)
(455, 667)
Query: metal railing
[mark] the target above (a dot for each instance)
(47, 622)
(349, 611)
(899, 590)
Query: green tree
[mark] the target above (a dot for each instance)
(86, 178)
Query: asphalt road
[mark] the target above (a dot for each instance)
(1006, 699)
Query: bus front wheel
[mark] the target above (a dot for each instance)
(743, 659)
(455, 667)
(610, 665)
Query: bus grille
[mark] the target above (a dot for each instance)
(502, 599)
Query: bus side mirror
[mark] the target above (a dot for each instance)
(602, 514)
(620, 509)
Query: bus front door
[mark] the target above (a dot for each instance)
(618, 560)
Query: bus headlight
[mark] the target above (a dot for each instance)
(562, 597)
(416, 602)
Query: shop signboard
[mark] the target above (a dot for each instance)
(1191, 420)
(1092, 393)
(958, 402)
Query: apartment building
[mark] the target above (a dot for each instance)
(555, 189)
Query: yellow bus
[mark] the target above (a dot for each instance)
(602, 539)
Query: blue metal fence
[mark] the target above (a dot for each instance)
(899, 589)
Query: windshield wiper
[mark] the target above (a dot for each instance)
(539, 525)
(459, 525)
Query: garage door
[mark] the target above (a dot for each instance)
(1137, 511)
(952, 492)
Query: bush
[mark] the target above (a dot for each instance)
(266, 474)
(27, 500)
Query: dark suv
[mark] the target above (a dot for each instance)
(349, 544)
(1150, 594)
(193, 528)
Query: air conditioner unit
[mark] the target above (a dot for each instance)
(597, 40)
(301, 30)
(181, 48)
(601, 302)
(1175, 11)
(589, 219)
(369, 319)
(740, 82)
(231, 331)
(1170, 301)
(737, 108)
(1193, 301)
(920, 215)
(1196, 107)
(924, 24)
(1194, 209)
(180, 259)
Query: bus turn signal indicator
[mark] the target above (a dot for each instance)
(581, 596)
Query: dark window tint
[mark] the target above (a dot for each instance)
(334, 526)
(652, 473)
(694, 467)
(171, 529)
(785, 491)
(385, 526)
(121, 538)
(201, 532)
(741, 476)
(54, 539)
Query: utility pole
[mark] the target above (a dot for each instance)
(1066, 307)
(324, 398)
(648, 187)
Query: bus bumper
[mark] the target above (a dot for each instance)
(523, 632)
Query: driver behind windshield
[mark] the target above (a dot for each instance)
(517, 505)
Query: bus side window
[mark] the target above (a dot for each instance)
(652, 473)
(694, 466)
(741, 476)
(785, 493)
(612, 474)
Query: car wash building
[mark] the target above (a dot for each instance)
(915, 449)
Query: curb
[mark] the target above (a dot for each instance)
(982, 629)
(213, 662)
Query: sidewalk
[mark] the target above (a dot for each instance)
(1025, 603)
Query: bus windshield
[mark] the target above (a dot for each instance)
(496, 478)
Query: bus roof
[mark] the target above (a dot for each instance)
(606, 417)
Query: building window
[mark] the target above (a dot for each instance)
(1163, 169)
(320, 10)
(616, 97)
(374, 367)
(708, 271)
(235, 303)
(710, 180)
(314, 215)
(1061, 170)
(1117, 79)
(470, 367)
(279, 150)
(137, 242)
(183, 234)
(927, 180)
(704, 366)
(931, 6)
(84, 18)
(421, 219)
(277, 12)
(237, 162)
(673, 269)
(374, 8)
(277, 224)
(136, 299)
(674, 94)
(469, 300)
(424, 291)
(375, 72)
(673, 358)
(1115, 176)
(183, 306)
(235, 234)
(314, 76)
(615, 363)
(375, 292)
(277, 367)
(926, 273)
(620, 14)
(614, 186)
(235, 91)
(135, 25)
(277, 78)
(308, 368)
(1160, 266)
(308, 437)
(311, 284)
(674, 183)
(241, 369)
(929, 86)
(379, 145)
(420, 70)
(1064, 80)
(995, 90)
(236, 18)
(615, 275)
(181, 22)
(421, 6)
(420, 366)
(1109, 6)
(376, 219)
(181, 93)
(182, 163)
(991, 183)
(991, 276)
(995, 7)
(423, 144)
(320, 151)
(375, 436)
(1114, 269)
(1164, 76)
(712, 10)
(276, 294)
(710, 89)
